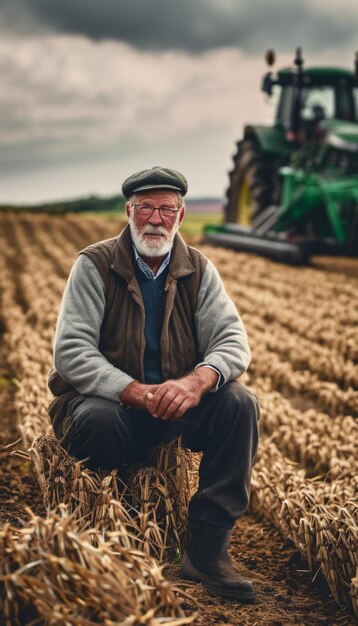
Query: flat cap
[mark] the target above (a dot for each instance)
(155, 178)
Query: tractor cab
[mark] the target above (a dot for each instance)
(293, 188)
(307, 96)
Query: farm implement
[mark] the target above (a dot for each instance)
(293, 190)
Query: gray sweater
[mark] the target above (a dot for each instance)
(222, 338)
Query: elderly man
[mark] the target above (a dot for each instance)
(148, 347)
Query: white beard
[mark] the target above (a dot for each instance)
(154, 247)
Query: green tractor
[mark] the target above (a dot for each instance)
(293, 190)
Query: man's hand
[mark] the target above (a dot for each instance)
(135, 394)
(174, 397)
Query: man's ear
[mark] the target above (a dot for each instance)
(181, 214)
(128, 208)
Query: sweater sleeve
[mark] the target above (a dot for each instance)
(221, 333)
(76, 354)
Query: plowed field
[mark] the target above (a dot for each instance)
(298, 542)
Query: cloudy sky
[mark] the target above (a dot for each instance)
(93, 90)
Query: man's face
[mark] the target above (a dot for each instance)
(153, 234)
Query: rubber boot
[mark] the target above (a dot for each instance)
(206, 560)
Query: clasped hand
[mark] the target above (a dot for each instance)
(172, 399)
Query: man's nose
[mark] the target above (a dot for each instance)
(156, 217)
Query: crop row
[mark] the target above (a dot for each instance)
(283, 281)
(317, 308)
(321, 519)
(326, 362)
(319, 444)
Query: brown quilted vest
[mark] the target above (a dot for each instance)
(122, 339)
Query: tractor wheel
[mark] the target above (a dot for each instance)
(254, 184)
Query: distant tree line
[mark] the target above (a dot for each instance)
(80, 205)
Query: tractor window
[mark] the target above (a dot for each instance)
(276, 100)
(345, 104)
(317, 104)
(285, 108)
(355, 97)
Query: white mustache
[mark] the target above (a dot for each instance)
(155, 230)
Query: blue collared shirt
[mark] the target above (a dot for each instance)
(150, 274)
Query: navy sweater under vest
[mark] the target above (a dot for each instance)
(154, 298)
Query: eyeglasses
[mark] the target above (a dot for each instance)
(147, 210)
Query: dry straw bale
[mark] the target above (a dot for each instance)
(56, 571)
(161, 494)
(144, 501)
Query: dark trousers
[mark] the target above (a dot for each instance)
(223, 426)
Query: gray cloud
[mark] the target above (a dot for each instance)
(189, 25)
(144, 82)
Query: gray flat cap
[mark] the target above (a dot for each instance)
(155, 178)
